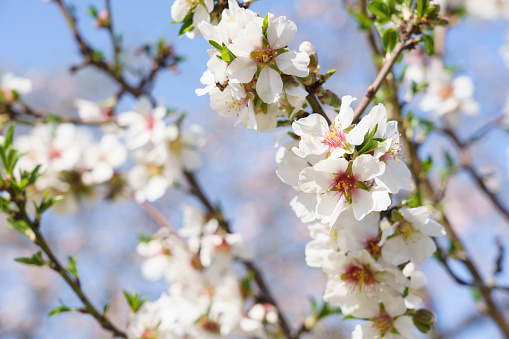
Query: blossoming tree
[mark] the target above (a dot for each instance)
(371, 202)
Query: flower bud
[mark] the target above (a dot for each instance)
(310, 50)
(103, 19)
(424, 320)
(328, 98)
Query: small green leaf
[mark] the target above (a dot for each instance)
(216, 45)
(427, 164)
(72, 266)
(133, 300)
(265, 26)
(329, 73)
(429, 45)
(9, 136)
(396, 216)
(22, 227)
(187, 24)
(390, 39)
(380, 9)
(36, 260)
(327, 309)
(364, 21)
(60, 309)
(92, 11)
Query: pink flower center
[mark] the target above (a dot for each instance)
(361, 278)
(223, 246)
(446, 92)
(394, 153)
(55, 153)
(150, 122)
(344, 184)
(106, 112)
(334, 138)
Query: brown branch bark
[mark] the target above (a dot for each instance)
(405, 42)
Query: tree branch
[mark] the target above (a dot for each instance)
(423, 183)
(55, 265)
(466, 163)
(405, 43)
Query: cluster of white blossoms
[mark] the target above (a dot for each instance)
(162, 151)
(252, 73)
(71, 161)
(74, 162)
(205, 298)
(345, 174)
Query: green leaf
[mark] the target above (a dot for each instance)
(364, 21)
(144, 238)
(225, 55)
(396, 216)
(329, 73)
(427, 164)
(187, 24)
(327, 309)
(92, 11)
(390, 38)
(22, 227)
(36, 260)
(449, 161)
(133, 300)
(421, 5)
(362, 185)
(216, 45)
(60, 309)
(429, 44)
(72, 266)
(380, 9)
(9, 136)
(265, 24)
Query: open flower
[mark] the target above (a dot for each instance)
(253, 51)
(409, 238)
(341, 184)
(340, 138)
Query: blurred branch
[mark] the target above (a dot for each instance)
(27, 115)
(92, 58)
(54, 264)
(114, 42)
(423, 185)
(443, 259)
(466, 163)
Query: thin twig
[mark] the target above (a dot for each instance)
(466, 163)
(55, 265)
(114, 42)
(196, 190)
(405, 43)
(422, 182)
